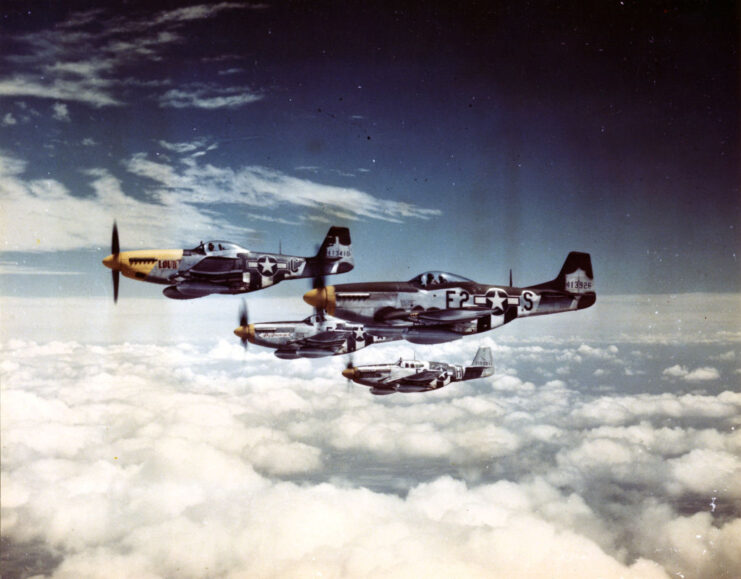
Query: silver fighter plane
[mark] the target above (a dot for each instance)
(314, 337)
(439, 307)
(418, 376)
(223, 267)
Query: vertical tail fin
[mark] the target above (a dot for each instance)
(335, 254)
(483, 357)
(482, 365)
(575, 277)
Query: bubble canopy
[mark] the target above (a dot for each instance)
(216, 247)
(435, 278)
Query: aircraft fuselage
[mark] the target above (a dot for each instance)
(314, 337)
(439, 306)
(223, 267)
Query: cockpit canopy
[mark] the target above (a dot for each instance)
(416, 364)
(217, 247)
(436, 278)
(314, 319)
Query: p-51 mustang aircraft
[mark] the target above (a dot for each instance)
(439, 307)
(314, 337)
(222, 267)
(418, 376)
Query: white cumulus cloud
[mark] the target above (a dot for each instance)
(697, 375)
(195, 458)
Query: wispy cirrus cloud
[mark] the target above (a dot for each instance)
(94, 92)
(199, 145)
(78, 62)
(197, 12)
(209, 97)
(192, 181)
(271, 219)
(230, 71)
(44, 215)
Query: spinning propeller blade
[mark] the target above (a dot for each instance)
(318, 281)
(115, 247)
(244, 321)
(349, 373)
(115, 250)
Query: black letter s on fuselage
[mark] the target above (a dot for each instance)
(527, 297)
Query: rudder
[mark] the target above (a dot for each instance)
(336, 251)
(482, 365)
(483, 357)
(576, 275)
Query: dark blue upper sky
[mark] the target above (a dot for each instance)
(464, 137)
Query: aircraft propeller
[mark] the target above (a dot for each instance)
(244, 320)
(319, 281)
(348, 373)
(115, 250)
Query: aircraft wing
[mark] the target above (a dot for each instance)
(330, 339)
(216, 266)
(419, 377)
(452, 315)
(395, 316)
(392, 316)
(422, 377)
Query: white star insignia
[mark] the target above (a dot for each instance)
(266, 265)
(496, 301)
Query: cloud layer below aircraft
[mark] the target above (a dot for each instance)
(196, 458)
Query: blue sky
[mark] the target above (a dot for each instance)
(142, 439)
(469, 139)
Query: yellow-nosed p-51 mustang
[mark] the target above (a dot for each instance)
(223, 267)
